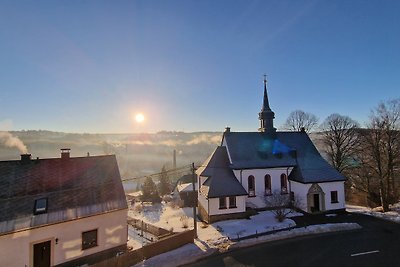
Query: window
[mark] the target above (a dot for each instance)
(267, 182)
(284, 184)
(251, 186)
(334, 197)
(89, 239)
(232, 202)
(222, 203)
(40, 206)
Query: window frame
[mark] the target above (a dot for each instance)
(232, 204)
(91, 244)
(222, 200)
(252, 190)
(37, 210)
(334, 196)
(267, 181)
(284, 184)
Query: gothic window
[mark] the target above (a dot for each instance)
(284, 189)
(251, 186)
(267, 183)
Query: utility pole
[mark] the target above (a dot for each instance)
(194, 202)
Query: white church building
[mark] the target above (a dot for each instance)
(250, 168)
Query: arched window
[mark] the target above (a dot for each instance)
(284, 184)
(267, 183)
(251, 185)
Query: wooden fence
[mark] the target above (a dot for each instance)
(163, 245)
(154, 230)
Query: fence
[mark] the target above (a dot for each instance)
(154, 230)
(164, 245)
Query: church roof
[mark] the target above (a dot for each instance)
(68, 188)
(252, 150)
(221, 180)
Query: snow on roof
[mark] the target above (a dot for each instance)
(187, 187)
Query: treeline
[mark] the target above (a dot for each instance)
(368, 155)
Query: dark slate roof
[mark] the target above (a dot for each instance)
(221, 180)
(249, 150)
(284, 149)
(74, 187)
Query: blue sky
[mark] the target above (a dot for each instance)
(89, 66)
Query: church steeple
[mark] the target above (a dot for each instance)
(266, 115)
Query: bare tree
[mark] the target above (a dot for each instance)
(341, 140)
(282, 204)
(382, 149)
(299, 119)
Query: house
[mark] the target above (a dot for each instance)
(184, 187)
(61, 211)
(253, 169)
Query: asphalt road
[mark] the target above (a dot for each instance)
(377, 244)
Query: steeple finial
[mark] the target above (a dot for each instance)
(266, 115)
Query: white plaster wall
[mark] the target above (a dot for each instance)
(203, 201)
(17, 248)
(301, 190)
(333, 186)
(202, 179)
(259, 174)
(300, 194)
(240, 206)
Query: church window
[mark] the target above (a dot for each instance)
(222, 203)
(284, 189)
(251, 186)
(267, 182)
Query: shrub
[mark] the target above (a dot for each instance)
(185, 221)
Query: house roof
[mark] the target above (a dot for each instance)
(284, 149)
(249, 150)
(187, 187)
(221, 180)
(74, 188)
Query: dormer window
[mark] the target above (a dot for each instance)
(40, 206)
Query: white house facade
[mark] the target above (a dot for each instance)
(256, 167)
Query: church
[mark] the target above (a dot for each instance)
(255, 169)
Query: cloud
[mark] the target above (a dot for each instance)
(205, 138)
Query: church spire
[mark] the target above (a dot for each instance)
(265, 105)
(266, 115)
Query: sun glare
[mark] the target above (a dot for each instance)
(139, 117)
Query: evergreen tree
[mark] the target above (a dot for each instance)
(165, 183)
(149, 191)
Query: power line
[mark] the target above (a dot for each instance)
(180, 169)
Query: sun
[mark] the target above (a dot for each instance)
(139, 118)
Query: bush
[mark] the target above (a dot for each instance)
(185, 221)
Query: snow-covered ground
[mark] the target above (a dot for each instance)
(216, 236)
(392, 215)
(213, 235)
(192, 252)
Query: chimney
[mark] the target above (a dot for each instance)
(227, 129)
(65, 153)
(25, 158)
(174, 160)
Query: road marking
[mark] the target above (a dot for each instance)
(364, 253)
